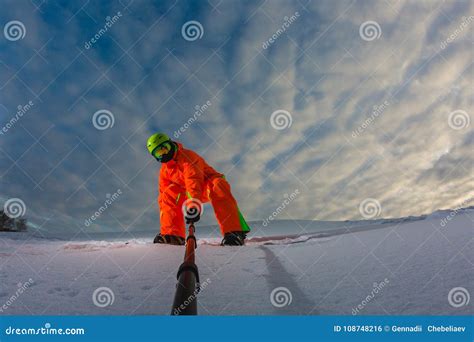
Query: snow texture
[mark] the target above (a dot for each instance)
(405, 266)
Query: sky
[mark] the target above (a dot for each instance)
(320, 110)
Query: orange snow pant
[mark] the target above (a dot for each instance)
(217, 191)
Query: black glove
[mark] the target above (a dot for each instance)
(193, 213)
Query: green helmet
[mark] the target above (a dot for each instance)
(155, 140)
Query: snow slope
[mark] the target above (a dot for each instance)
(405, 266)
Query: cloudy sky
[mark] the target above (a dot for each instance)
(352, 105)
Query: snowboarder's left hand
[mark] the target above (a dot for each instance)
(193, 214)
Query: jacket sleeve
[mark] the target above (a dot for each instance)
(193, 170)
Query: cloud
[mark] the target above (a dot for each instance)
(318, 68)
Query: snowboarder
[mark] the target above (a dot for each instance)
(187, 181)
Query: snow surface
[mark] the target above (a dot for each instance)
(328, 268)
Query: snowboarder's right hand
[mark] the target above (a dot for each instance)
(193, 214)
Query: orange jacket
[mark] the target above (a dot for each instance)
(188, 170)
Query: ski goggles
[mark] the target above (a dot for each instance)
(161, 150)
